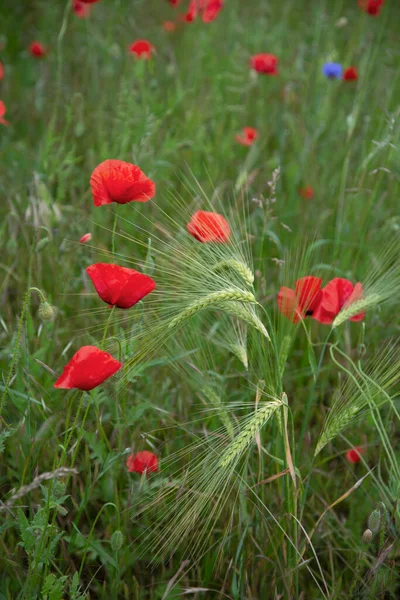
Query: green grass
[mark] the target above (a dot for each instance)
(243, 506)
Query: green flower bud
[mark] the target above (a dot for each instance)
(367, 536)
(117, 539)
(41, 245)
(46, 312)
(374, 521)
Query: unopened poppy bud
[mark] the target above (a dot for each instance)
(41, 245)
(46, 312)
(374, 521)
(367, 536)
(117, 539)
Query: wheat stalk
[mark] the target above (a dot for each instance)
(355, 308)
(240, 268)
(214, 299)
(248, 316)
(245, 437)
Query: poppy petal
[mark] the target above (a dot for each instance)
(121, 182)
(88, 368)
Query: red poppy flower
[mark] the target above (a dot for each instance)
(372, 7)
(87, 369)
(174, 3)
(119, 286)
(81, 9)
(212, 10)
(89, 1)
(142, 462)
(266, 64)
(350, 74)
(142, 49)
(169, 26)
(354, 455)
(306, 192)
(85, 238)
(248, 136)
(338, 294)
(209, 227)
(121, 182)
(1, 71)
(3, 111)
(302, 301)
(37, 50)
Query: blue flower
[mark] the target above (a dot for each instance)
(332, 70)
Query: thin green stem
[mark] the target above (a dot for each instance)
(103, 341)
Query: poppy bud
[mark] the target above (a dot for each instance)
(41, 245)
(117, 539)
(367, 536)
(46, 312)
(374, 520)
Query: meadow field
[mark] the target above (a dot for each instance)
(200, 284)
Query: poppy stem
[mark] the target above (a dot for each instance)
(114, 230)
(312, 390)
(106, 327)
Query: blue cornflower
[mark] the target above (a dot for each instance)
(332, 70)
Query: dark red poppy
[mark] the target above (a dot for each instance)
(3, 111)
(306, 192)
(142, 49)
(87, 369)
(338, 294)
(89, 1)
(302, 301)
(1, 71)
(372, 7)
(37, 50)
(81, 9)
(350, 74)
(119, 286)
(169, 26)
(142, 462)
(193, 10)
(266, 64)
(174, 3)
(121, 182)
(247, 137)
(354, 455)
(209, 227)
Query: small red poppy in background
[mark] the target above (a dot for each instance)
(1, 71)
(37, 50)
(142, 462)
(3, 111)
(267, 64)
(85, 238)
(119, 286)
(174, 3)
(247, 137)
(372, 7)
(81, 9)
(211, 11)
(208, 9)
(302, 301)
(354, 455)
(337, 295)
(121, 182)
(89, 1)
(169, 26)
(350, 74)
(87, 369)
(209, 227)
(306, 192)
(142, 49)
